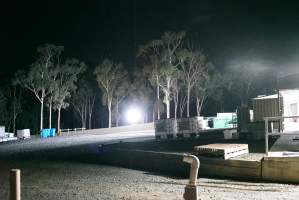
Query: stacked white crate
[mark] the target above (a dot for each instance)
(23, 134)
(10, 137)
(2, 131)
(202, 123)
(4, 137)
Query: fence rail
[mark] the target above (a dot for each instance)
(119, 129)
(68, 130)
(272, 131)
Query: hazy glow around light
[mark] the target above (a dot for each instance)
(133, 116)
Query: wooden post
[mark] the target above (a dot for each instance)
(15, 184)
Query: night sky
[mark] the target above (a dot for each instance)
(264, 33)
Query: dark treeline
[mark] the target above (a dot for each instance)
(173, 78)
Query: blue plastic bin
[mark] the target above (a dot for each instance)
(44, 133)
(52, 132)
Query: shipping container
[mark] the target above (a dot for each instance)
(267, 106)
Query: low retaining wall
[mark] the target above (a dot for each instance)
(170, 163)
(230, 168)
(281, 169)
(278, 169)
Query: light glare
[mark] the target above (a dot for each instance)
(133, 116)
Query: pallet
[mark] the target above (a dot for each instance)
(225, 151)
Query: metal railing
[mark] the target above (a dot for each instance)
(271, 120)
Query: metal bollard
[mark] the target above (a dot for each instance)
(15, 184)
(191, 189)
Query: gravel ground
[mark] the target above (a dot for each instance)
(53, 179)
(50, 180)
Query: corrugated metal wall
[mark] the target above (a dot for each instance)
(265, 108)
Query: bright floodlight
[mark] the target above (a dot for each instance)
(133, 115)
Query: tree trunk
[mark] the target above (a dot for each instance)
(153, 113)
(182, 105)
(50, 113)
(14, 124)
(146, 116)
(176, 103)
(82, 116)
(110, 114)
(14, 118)
(90, 109)
(58, 122)
(158, 102)
(175, 109)
(188, 100)
(168, 109)
(85, 116)
(89, 120)
(167, 95)
(175, 112)
(201, 104)
(167, 102)
(41, 114)
(116, 115)
(197, 106)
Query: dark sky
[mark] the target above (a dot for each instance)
(262, 32)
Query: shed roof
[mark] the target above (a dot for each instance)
(283, 93)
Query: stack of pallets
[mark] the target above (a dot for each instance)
(166, 129)
(221, 150)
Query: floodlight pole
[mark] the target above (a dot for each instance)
(278, 101)
(266, 136)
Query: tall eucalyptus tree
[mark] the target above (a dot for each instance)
(109, 75)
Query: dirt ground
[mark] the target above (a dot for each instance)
(50, 180)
